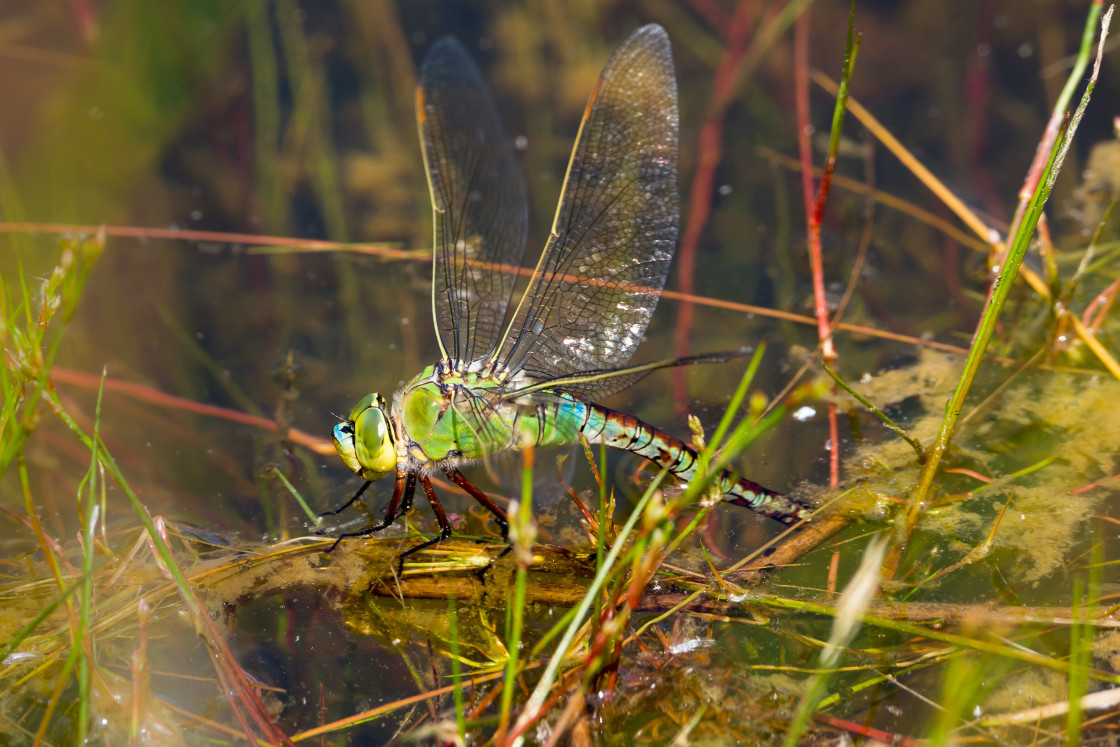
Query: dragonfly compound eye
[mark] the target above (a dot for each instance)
(343, 436)
(372, 441)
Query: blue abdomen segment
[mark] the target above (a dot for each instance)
(622, 431)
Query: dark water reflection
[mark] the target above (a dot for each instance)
(295, 120)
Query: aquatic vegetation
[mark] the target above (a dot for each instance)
(163, 581)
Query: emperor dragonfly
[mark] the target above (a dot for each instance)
(587, 304)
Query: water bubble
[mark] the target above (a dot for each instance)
(804, 413)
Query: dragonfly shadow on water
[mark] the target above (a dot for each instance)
(512, 380)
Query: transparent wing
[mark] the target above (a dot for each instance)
(598, 281)
(478, 203)
(595, 384)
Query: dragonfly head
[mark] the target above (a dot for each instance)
(365, 439)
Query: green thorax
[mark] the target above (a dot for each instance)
(447, 414)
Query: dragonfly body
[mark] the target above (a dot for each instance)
(448, 418)
(531, 380)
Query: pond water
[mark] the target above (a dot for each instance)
(267, 260)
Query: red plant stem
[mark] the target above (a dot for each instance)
(1049, 137)
(315, 245)
(814, 209)
(886, 737)
(978, 108)
(1046, 249)
(1030, 183)
(87, 19)
(709, 152)
(1103, 302)
(801, 100)
(144, 393)
(833, 446)
(714, 14)
(218, 237)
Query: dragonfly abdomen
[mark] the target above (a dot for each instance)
(622, 431)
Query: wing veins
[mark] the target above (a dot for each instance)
(627, 138)
(555, 281)
(478, 199)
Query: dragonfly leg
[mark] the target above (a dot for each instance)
(403, 490)
(499, 513)
(350, 502)
(441, 517)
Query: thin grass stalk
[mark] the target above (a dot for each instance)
(649, 549)
(1000, 291)
(734, 67)
(1081, 635)
(230, 674)
(910, 629)
(707, 472)
(263, 244)
(893, 677)
(606, 521)
(1057, 117)
(281, 244)
(1077, 680)
(522, 531)
(941, 225)
(143, 393)
(1100, 700)
(89, 510)
(1094, 344)
(1097, 311)
(532, 709)
(704, 451)
(688, 529)
(141, 672)
(560, 625)
(915, 444)
(744, 434)
(456, 670)
(315, 519)
(605, 515)
(384, 709)
(959, 690)
(60, 293)
(724, 81)
(1087, 258)
(814, 209)
(641, 561)
(669, 612)
(56, 694)
(850, 609)
(738, 397)
(37, 526)
(680, 739)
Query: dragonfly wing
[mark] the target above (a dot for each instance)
(599, 279)
(478, 203)
(592, 385)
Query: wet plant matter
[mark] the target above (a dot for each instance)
(169, 381)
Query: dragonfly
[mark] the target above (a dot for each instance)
(510, 381)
